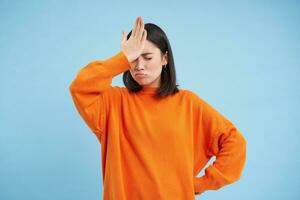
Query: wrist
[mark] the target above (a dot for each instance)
(129, 58)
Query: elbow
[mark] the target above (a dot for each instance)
(242, 157)
(243, 145)
(239, 160)
(72, 88)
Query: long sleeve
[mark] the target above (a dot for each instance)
(90, 83)
(225, 142)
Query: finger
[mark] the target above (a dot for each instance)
(141, 29)
(138, 30)
(144, 35)
(124, 36)
(135, 28)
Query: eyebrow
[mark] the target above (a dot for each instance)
(144, 54)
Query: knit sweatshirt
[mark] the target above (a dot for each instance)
(154, 148)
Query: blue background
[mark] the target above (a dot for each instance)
(240, 56)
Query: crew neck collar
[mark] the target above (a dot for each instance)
(148, 90)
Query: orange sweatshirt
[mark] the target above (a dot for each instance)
(153, 149)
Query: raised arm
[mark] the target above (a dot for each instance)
(96, 78)
(89, 85)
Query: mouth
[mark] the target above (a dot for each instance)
(140, 75)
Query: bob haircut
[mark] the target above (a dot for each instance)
(168, 75)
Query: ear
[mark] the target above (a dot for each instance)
(166, 58)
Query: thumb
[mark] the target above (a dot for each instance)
(124, 36)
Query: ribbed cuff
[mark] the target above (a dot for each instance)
(200, 184)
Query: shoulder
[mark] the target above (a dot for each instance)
(197, 101)
(191, 95)
(112, 93)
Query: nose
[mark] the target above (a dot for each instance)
(139, 64)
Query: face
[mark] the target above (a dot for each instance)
(146, 69)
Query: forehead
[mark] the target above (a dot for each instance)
(150, 47)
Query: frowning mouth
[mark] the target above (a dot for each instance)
(140, 75)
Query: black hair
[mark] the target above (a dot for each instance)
(168, 75)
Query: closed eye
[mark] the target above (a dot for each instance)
(148, 58)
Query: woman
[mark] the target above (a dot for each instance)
(155, 138)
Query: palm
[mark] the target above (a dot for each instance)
(134, 46)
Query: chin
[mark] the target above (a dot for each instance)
(143, 83)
